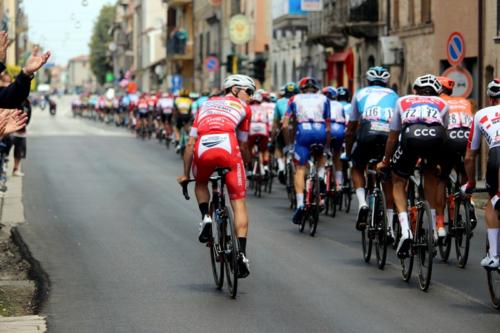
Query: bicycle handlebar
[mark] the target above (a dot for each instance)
(185, 188)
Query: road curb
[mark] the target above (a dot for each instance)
(11, 215)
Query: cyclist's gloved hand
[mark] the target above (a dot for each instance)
(467, 188)
(288, 148)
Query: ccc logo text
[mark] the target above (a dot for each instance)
(459, 134)
(425, 132)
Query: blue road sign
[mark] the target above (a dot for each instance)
(455, 48)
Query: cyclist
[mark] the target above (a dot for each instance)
(418, 130)
(344, 98)
(337, 132)
(372, 108)
(259, 132)
(182, 107)
(312, 114)
(459, 122)
(142, 113)
(166, 106)
(289, 90)
(199, 102)
(218, 138)
(486, 123)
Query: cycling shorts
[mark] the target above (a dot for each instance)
(492, 171)
(213, 151)
(337, 133)
(425, 141)
(183, 119)
(307, 135)
(261, 140)
(280, 140)
(370, 144)
(454, 151)
(166, 118)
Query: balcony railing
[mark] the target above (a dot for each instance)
(363, 18)
(178, 3)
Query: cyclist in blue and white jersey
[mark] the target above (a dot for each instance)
(372, 109)
(312, 114)
(337, 132)
(289, 90)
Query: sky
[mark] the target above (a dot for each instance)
(63, 26)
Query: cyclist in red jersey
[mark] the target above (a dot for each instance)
(218, 138)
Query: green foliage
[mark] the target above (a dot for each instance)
(99, 61)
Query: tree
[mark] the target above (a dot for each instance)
(99, 62)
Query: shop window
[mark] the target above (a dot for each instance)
(426, 11)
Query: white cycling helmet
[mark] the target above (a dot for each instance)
(494, 88)
(378, 73)
(238, 80)
(428, 80)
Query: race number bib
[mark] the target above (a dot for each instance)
(379, 126)
(377, 113)
(258, 128)
(421, 113)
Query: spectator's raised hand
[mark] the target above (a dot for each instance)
(3, 124)
(4, 43)
(35, 62)
(16, 120)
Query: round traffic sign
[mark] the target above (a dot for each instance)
(455, 48)
(463, 81)
(211, 64)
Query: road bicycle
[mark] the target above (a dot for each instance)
(331, 193)
(460, 222)
(223, 242)
(312, 196)
(422, 244)
(345, 196)
(376, 229)
(290, 179)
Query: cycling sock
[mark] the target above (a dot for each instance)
(360, 194)
(281, 164)
(300, 199)
(339, 177)
(433, 217)
(321, 172)
(203, 209)
(493, 241)
(403, 220)
(243, 244)
(390, 214)
(440, 221)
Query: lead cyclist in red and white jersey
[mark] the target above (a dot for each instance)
(487, 123)
(218, 138)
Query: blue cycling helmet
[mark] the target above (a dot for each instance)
(378, 74)
(291, 88)
(329, 92)
(343, 94)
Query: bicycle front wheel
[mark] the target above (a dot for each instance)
(493, 276)
(231, 252)
(462, 231)
(216, 244)
(314, 216)
(424, 246)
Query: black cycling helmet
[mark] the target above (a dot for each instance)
(343, 94)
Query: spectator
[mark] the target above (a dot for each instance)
(12, 96)
(19, 141)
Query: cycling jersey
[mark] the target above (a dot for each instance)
(486, 122)
(269, 108)
(260, 120)
(142, 106)
(280, 109)
(338, 122)
(183, 105)
(166, 105)
(197, 104)
(347, 109)
(312, 113)
(219, 125)
(374, 105)
(423, 120)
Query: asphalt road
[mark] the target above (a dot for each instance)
(108, 223)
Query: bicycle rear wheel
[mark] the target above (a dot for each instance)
(493, 276)
(462, 231)
(444, 245)
(231, 253)
(380, 214)
(216, 245)
(366, 237)
(314, 216)
(424, 246)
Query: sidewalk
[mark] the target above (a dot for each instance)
(11, 215)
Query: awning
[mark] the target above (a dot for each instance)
(338, 57)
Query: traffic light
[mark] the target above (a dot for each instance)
(233, 64)
(259, 69)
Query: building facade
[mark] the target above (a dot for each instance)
(79, 75)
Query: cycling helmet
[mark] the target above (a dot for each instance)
(378, 74)
(428, 80)
(273, 97)
(329, 92)
(308, 82)
(494, 88)
(343, 94)
(238, 80)
(291, 88)
(447, 83)
(265, 95)
(257, 97)
(184, 93)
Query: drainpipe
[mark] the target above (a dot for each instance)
(480, 54)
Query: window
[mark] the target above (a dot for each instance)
(426, 11)
(498, 17)
(283, 74)
(411, 12)
(294, 72)
(200, 47)
(395, 15)
(207, 42)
